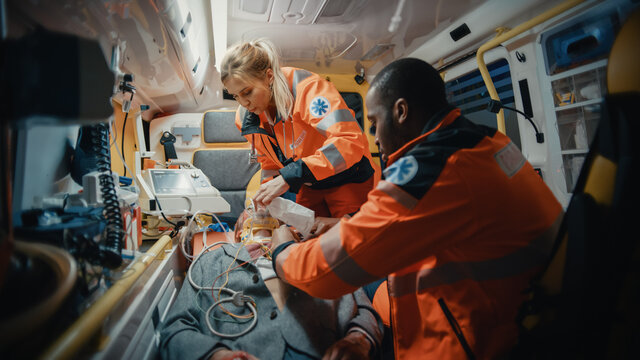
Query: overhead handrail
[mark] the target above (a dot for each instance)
(506, 36)
(81, 331)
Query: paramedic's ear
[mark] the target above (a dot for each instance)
(269, 76)
(400, 110)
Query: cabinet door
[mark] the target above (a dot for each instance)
(574, 70)
(577, 98)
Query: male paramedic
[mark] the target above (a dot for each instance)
(459, 226)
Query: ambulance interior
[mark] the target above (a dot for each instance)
(121, 160)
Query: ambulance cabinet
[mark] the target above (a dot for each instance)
(573, 76)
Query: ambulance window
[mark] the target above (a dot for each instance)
(469, 93)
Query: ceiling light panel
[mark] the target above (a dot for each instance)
(253, 10)
(298, 12)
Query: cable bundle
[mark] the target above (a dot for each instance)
(111, 248)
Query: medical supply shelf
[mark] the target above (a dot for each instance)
(572, 70)
(577, 96)
(579, 104)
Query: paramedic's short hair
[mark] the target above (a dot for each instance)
(414, 80)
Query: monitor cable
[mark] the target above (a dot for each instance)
(494, 106)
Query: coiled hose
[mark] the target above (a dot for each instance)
(111, 246)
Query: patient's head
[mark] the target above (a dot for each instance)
(254, 229)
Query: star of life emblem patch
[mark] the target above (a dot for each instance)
(319, 107)
(402, 171)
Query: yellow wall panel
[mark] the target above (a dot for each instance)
(130, 146)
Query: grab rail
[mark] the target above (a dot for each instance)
(508, 35)
(81, 331)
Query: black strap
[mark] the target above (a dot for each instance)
(167, 140)
(456, 329)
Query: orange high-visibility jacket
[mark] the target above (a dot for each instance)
(321, 144)
(460, 225)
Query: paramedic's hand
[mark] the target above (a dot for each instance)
(239, 224)
(322, 224)
(271, 190)
(232, 355)
(282, 235)
(354, 346)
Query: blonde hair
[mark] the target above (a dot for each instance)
(249, 61)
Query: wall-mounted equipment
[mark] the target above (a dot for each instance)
(179, 192)
(460, 32)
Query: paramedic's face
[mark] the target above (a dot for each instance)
(381, 124)
(254, 95)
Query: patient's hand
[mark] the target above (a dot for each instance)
(353, 346)
(232, 355)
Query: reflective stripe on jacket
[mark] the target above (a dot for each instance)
(460, 225)
(321, 144)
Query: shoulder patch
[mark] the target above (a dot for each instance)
(402, 171)
(510, 159)
(319, 107)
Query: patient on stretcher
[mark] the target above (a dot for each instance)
(232, 305)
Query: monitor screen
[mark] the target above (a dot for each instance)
(167, 182)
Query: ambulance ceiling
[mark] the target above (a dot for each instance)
(335, 35)
(174, 47)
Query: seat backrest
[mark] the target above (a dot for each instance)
(225, 160)
(584, 305)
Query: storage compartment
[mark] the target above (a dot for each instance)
(573, 67)
(582, 87)
(577, 126)
(580, 42)
(572, 163)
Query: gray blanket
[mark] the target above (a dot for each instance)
(307, 324)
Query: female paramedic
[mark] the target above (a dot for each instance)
(303, 134)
